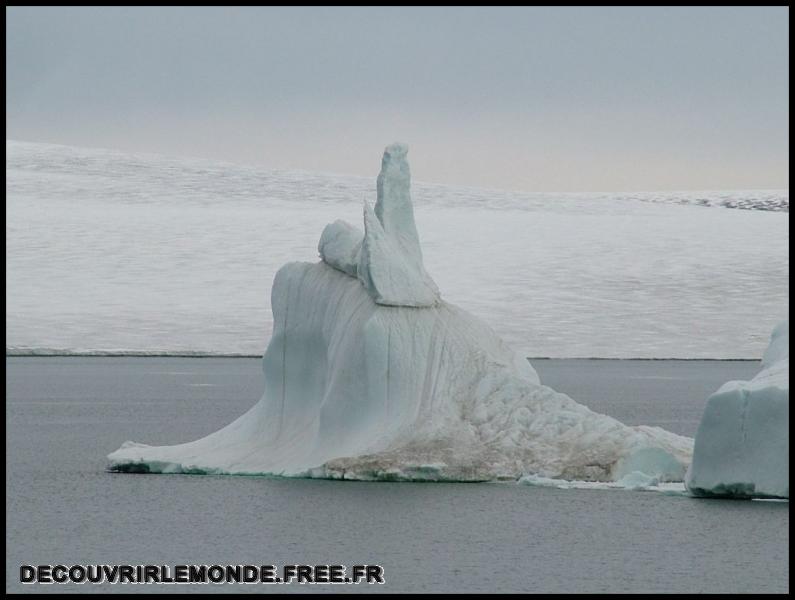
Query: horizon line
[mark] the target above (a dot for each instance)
(367, 177)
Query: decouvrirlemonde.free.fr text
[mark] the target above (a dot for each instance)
(165, 574)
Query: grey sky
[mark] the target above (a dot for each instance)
(538, 99)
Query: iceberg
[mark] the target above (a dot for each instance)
(742, 443)
(371, 375)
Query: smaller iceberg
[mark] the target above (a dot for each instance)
(742, 444)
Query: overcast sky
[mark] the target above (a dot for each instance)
(537, 99)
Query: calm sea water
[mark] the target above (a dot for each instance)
(65, 414)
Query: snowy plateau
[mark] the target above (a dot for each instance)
(109, 251)
(370, 374)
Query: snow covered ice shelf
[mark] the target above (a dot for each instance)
(115, 251)
(742, 443)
